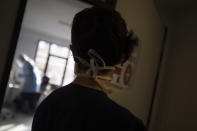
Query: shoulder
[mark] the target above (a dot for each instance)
(56, 95)
(92, 106)
(110, 114)
(28, 65)
(48, 106)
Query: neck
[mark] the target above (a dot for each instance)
(89, 82)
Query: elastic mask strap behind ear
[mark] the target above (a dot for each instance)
(82, 61)
(93, 67)
(96, 62)
(104, 77)
(97, 58)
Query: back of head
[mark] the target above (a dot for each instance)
(23, 57)
(104, 31)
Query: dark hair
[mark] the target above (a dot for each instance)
(105, 31)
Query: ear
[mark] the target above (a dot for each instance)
(73, 51)
(71, 48)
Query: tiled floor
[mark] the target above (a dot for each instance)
(20, 122)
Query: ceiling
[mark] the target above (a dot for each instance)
(52, 17)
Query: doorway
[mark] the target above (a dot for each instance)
(44, 39)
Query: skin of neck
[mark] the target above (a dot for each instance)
(89, 81)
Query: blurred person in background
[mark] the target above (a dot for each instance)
(30, 89)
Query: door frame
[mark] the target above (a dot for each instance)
(11, 51)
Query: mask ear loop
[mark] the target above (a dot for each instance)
(93, 54)
(98, 60)
(82, 61)
(95, 60)
(96, 63)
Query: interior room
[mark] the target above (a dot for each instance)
(160, 87)
(45, 36)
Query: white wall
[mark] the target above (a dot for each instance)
(175, 106)
(53, 17)
(141, 16)
(29, 39)
(42, 22)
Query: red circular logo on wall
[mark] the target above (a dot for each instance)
(127, 74)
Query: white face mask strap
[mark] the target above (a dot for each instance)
(103, 77)
(93, 67)
(95, 60)
(96, 63)
(106, 68)
(82, 61)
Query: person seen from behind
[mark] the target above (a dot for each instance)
(100, 40)
(30, 88)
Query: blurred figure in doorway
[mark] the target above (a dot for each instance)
(30, 89)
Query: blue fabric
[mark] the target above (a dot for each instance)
(30, 79)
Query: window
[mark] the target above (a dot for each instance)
(56, 62)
